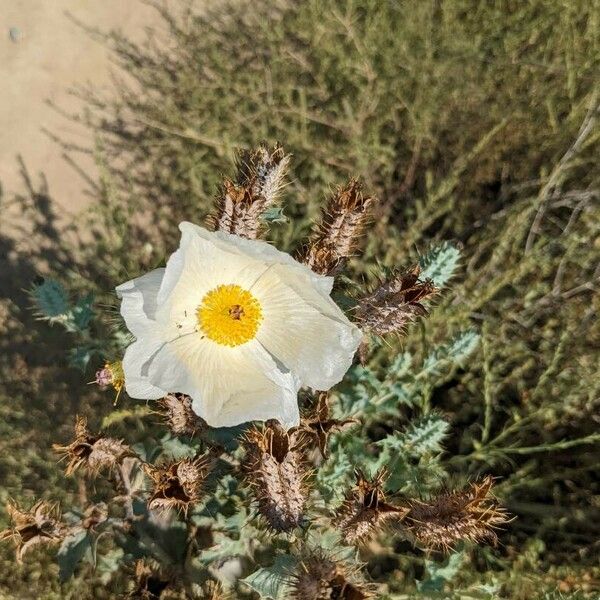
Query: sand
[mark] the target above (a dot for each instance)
(44, 54)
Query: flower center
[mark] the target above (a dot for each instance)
(229, 315)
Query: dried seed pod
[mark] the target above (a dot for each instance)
(395, 303)
(364, 511)
(470, 514)
(318, 577)
(149, 584)
(318, 426)
(178, 414)
(274, 468)
(37, 526)
(241, 205)
(342, 225)
(178, 485)
(93, 452)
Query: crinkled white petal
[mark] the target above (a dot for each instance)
(309, 334)
(257, 249)
(137, 382)
(303, 339)
(139, 301)
(228, 385)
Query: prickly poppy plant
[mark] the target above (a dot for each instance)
(286, 433)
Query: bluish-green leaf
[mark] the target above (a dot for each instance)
(438, 574)
(273, 582)
(440, 263)
(74, 548)
(51, 299)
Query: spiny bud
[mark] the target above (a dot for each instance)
(342, 225)
(395, 303)
(111, 375)
(364, 511)
(274, 468)
(178, 414)
(178, 485)
(318, 426)
(37, 526)
(469, 514)
(92, 451)
(318, 577)
(241, 204)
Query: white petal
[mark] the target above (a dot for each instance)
(196, 268)
(259, 250)
(139, 297)
(228, 386)
(137, 383)
(308, 333)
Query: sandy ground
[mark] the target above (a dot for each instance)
(43, 54)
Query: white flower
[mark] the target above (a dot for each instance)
(237, 325)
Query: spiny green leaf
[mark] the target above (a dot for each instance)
(440, 263)
(51, 299)
(425, 436)
(455, 352)
(272, 582)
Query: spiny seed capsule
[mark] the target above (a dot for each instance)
(38, 526)
(364, 511)
(318, 577)
(318, 425)
(274, 468)
(178, 485)
(176, 409)
(91, 451)
(470, 514)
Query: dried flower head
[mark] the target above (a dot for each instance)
(395, 303)
(242, 203)
(111, 375)
(364, 511)
(318, 425)
(318, 577)
(37, 526)
(178, 485)
(178, 414)
(149, 584)
(92, 451)
(470, 514)
(342, 226)
(275, 470)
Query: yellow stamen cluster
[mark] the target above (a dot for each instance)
(229, 315)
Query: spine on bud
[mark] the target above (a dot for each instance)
(365, 511)
(274, 469)
(241, 204)
(93, 452)
(395, 303)
(319, 577)
(342, 225)
(178, 485)
(471, 514)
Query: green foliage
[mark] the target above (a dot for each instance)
(272, 582)
(440, 574)
(440, 264)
